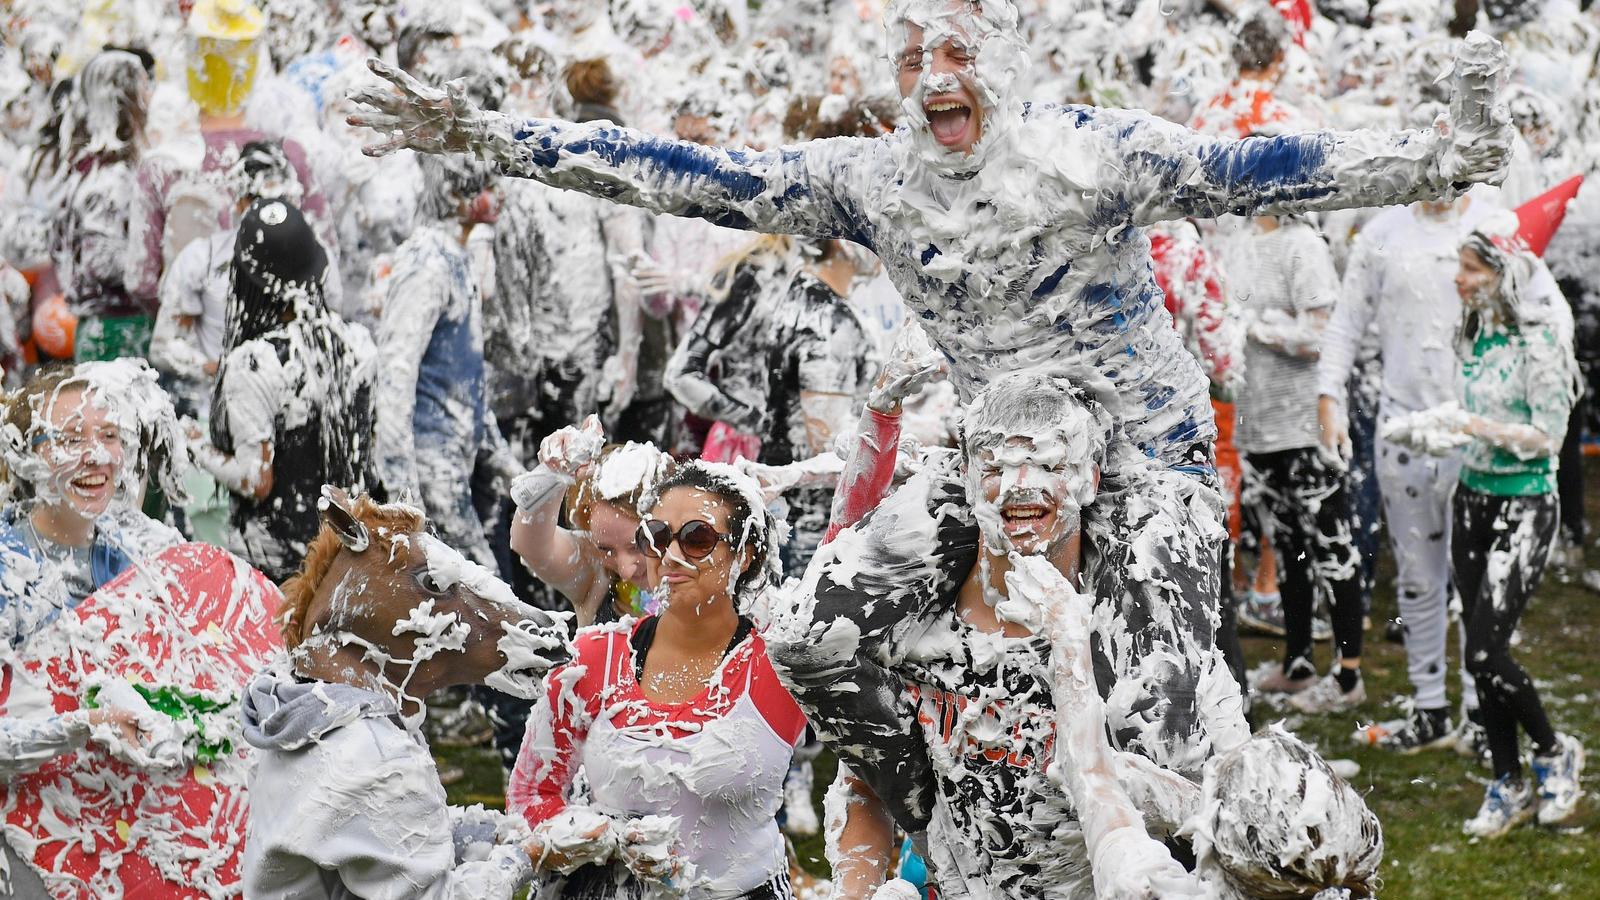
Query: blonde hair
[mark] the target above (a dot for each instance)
(586, 493)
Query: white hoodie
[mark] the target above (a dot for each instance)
(1401, 274)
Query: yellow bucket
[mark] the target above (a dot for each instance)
(223, 55)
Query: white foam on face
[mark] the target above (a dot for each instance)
(999, 59)
(125, 395)
(447, 567)
(1051, 465)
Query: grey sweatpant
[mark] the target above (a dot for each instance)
(1416, 490)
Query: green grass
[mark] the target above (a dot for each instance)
(1422, 800)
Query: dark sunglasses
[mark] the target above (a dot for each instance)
(697, 538)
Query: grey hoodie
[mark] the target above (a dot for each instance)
(346, 802)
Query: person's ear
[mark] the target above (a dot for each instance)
(338, 512)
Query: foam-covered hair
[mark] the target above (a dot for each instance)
(128, 391)
(1024, 403)
(448, 180)
(624, 475)
(1277, 821)
(750, 522)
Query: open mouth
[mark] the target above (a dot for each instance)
(950, 120)
(92, 484)
(530, 651)
(1026, 518)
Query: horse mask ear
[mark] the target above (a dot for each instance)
(338, 513)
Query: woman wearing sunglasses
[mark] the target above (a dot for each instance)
(678, 719)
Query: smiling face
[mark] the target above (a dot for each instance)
(940, 79)
(709, 579)
(82, 452)
(1030, 492)
(1032, 447)
(955, 62)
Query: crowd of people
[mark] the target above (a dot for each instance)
(691, 386)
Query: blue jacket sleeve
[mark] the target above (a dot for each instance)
(812, 188)
(1171, 172)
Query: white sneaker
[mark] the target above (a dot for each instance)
(1559, 780)
(1327, 697)
(1506, 804)
(799, 814)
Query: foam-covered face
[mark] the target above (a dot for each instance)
(686, 580)
(82, 452)
(956, 62)
(1476, 281)
(1028, 490)
(503, 643)
(612, 528)
(373, 22)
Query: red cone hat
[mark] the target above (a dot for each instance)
(1539, 218)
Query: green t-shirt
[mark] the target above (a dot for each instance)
(1507, 379)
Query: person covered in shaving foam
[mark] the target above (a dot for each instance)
(1043, 474)
(1270, 818)
(1015, 232)
(596, 565)
(678, 721)
(292, 407)
(1519, 381)
(381, 615)
(77, 442)
(435, 432)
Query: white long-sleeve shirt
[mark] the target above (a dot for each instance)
(1402, 274)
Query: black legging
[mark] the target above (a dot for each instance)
(1569, 476)
(1514, 533)
(1308, 506)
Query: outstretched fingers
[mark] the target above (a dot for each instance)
(375, 97)
(384, 148)
(403, 80)
(377, 121)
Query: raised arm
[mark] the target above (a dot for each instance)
(567, 561)
(869, 467)
(1170, 172)
(803, 189)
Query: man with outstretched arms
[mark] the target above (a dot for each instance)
(1015, 232)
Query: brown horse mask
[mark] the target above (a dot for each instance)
(383, 596)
